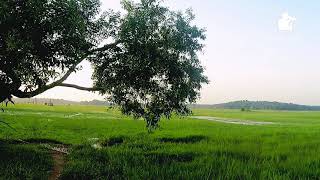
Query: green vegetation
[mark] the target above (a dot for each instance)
(183, 148)
(23, 161)
(263, 105)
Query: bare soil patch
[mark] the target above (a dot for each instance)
(58, 164)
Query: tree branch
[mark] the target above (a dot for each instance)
(80, 87)
(21, 94)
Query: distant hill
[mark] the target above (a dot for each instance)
(58, 101)
(264, 105)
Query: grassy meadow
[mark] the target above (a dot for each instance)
(182, 148)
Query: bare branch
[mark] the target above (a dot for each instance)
(21, 94)
(80, 87)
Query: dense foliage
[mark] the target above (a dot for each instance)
(144, 60)
(40, 40)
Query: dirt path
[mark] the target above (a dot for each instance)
(233, 121)
(58, 163)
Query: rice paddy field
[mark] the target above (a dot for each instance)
(94, 142)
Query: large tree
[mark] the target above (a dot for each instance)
(145, 60)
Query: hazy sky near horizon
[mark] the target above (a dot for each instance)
(247, 56)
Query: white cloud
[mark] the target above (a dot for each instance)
(286, 22)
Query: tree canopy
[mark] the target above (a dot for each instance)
(145, 60)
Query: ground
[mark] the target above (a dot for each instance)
(103, 144)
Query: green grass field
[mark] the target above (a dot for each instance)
(182, 148)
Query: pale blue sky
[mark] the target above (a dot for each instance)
(246, 56)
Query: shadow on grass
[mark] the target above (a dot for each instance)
(43, 141)
(188, 139)
(143, 147)
(113, 141)
(31, 141)
(23, 161)
(86, 162)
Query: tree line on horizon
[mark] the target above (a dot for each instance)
(260, 105)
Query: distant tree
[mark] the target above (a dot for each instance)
(145, 60)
